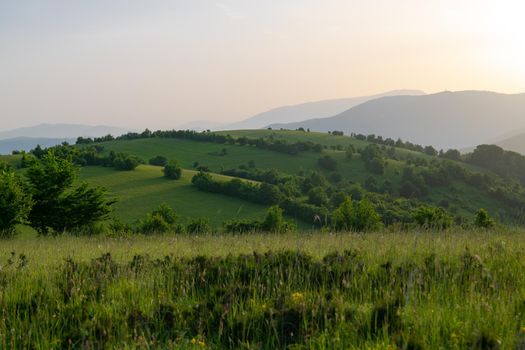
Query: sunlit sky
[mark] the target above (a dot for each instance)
(161, 63)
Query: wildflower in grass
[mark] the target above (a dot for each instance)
(198, 342)
(297, 297)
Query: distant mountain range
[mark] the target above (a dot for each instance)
(318, 109)
(62, 131)
(47, 135)
(445, 120)
(28, 143)
(515, 143)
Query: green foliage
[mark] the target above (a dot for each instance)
(343, 216)
(198, 226)
(15, 203)
(172, 171)
(502, 162)
(158, 161)
(373, 158)
(58, 207)
(361, 216)
(126, 162)
(275, 222)
(366, 217)
(432, 217)
(327, 162)
(161, 220)
(294, 291)
(240, 226)
(317, 196)
(483, 220)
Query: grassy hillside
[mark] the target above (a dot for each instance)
(462, 198)
(142, 190)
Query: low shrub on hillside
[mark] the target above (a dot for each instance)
(172, 171)
(161, 220)
(158, 161)
(198, 226)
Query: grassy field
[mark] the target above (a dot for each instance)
(464, 199)
(383, 290)
(142, 190)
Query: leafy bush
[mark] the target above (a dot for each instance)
(161, 220)
(432, 217)
(275, 222)
(125, 162)
(172, 171)
(241, 226)
(361, 216)
(158, 161)
(198, 226)
(483, 220)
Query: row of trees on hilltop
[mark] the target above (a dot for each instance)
(264, 143)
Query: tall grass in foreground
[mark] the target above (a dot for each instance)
(380, 290)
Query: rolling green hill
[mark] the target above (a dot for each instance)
(143, 189)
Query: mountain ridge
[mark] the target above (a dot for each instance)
(307, 110)
(445, 119)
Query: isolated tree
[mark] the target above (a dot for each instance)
(172, 171)
(15, 204)
(57, 207)
(483, 220)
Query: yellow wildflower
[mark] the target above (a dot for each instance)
(297, 297)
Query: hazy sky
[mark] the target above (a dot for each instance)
(160, 63)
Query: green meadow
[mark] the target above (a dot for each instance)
(380, 290)
(142, 190)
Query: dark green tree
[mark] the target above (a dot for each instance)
(57, 207)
